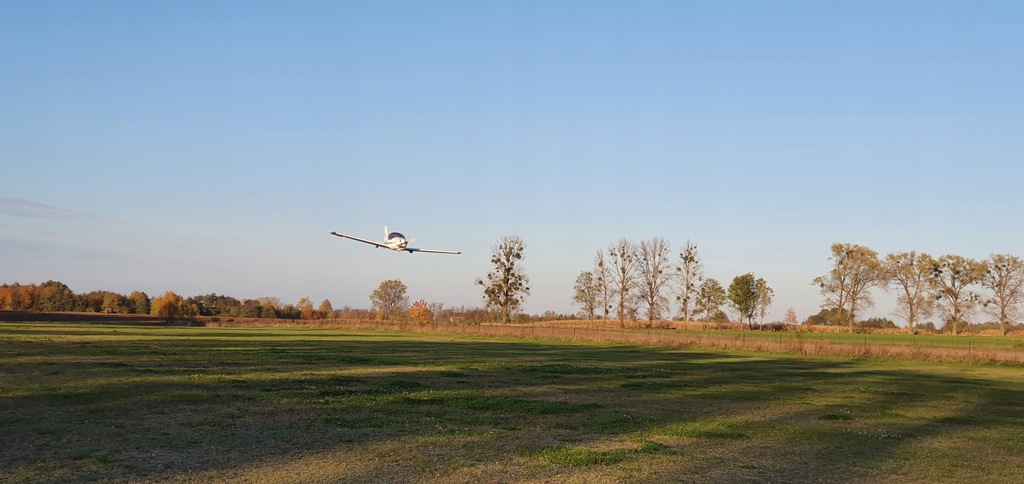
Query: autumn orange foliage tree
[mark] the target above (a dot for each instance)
(305, 307)
(167, 306)
(420, 312)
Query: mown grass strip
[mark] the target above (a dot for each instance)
(492, 403)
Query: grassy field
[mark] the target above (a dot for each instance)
(921, 340)
(130, 403)
(902, 346)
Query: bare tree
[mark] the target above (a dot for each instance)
(622, 267)
(790, 319)
(654, 270)
(602, 277)
(1005, 278)
(855, 270)
(436, 311)
(952, 278)
(506, 287)
(690, 272)
(390, 299)
(586, 294)
(910, 273)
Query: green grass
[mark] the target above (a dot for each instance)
(110, 403)
(576, 457)
(701, 429)
(99, 457)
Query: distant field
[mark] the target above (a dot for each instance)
(135, 403)
(882, 340)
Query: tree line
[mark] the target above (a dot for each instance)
(951, 287)
(629, 277)
(505, 289)
(629, 280)
(388, 302)
(633, 279)
(55, 296)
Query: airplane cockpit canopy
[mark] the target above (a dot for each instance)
(395, 234)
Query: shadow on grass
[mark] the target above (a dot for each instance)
(165, 404)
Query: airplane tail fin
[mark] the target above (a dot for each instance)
(385, 232)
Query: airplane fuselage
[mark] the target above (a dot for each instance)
(397, 241)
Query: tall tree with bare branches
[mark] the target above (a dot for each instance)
(622, 265)
(790, 318)
(654, 270)
(1005, 278)
(953, 276)
(690, 273)
(910, 274)
(506, 287)
(585, 294)
(855, 270)
(602, 277)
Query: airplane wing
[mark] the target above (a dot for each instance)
(430, 251)
(373, 243)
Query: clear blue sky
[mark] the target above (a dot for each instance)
(211, 146)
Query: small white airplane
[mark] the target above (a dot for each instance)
(396, 242)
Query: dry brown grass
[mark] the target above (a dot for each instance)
(823, 341)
